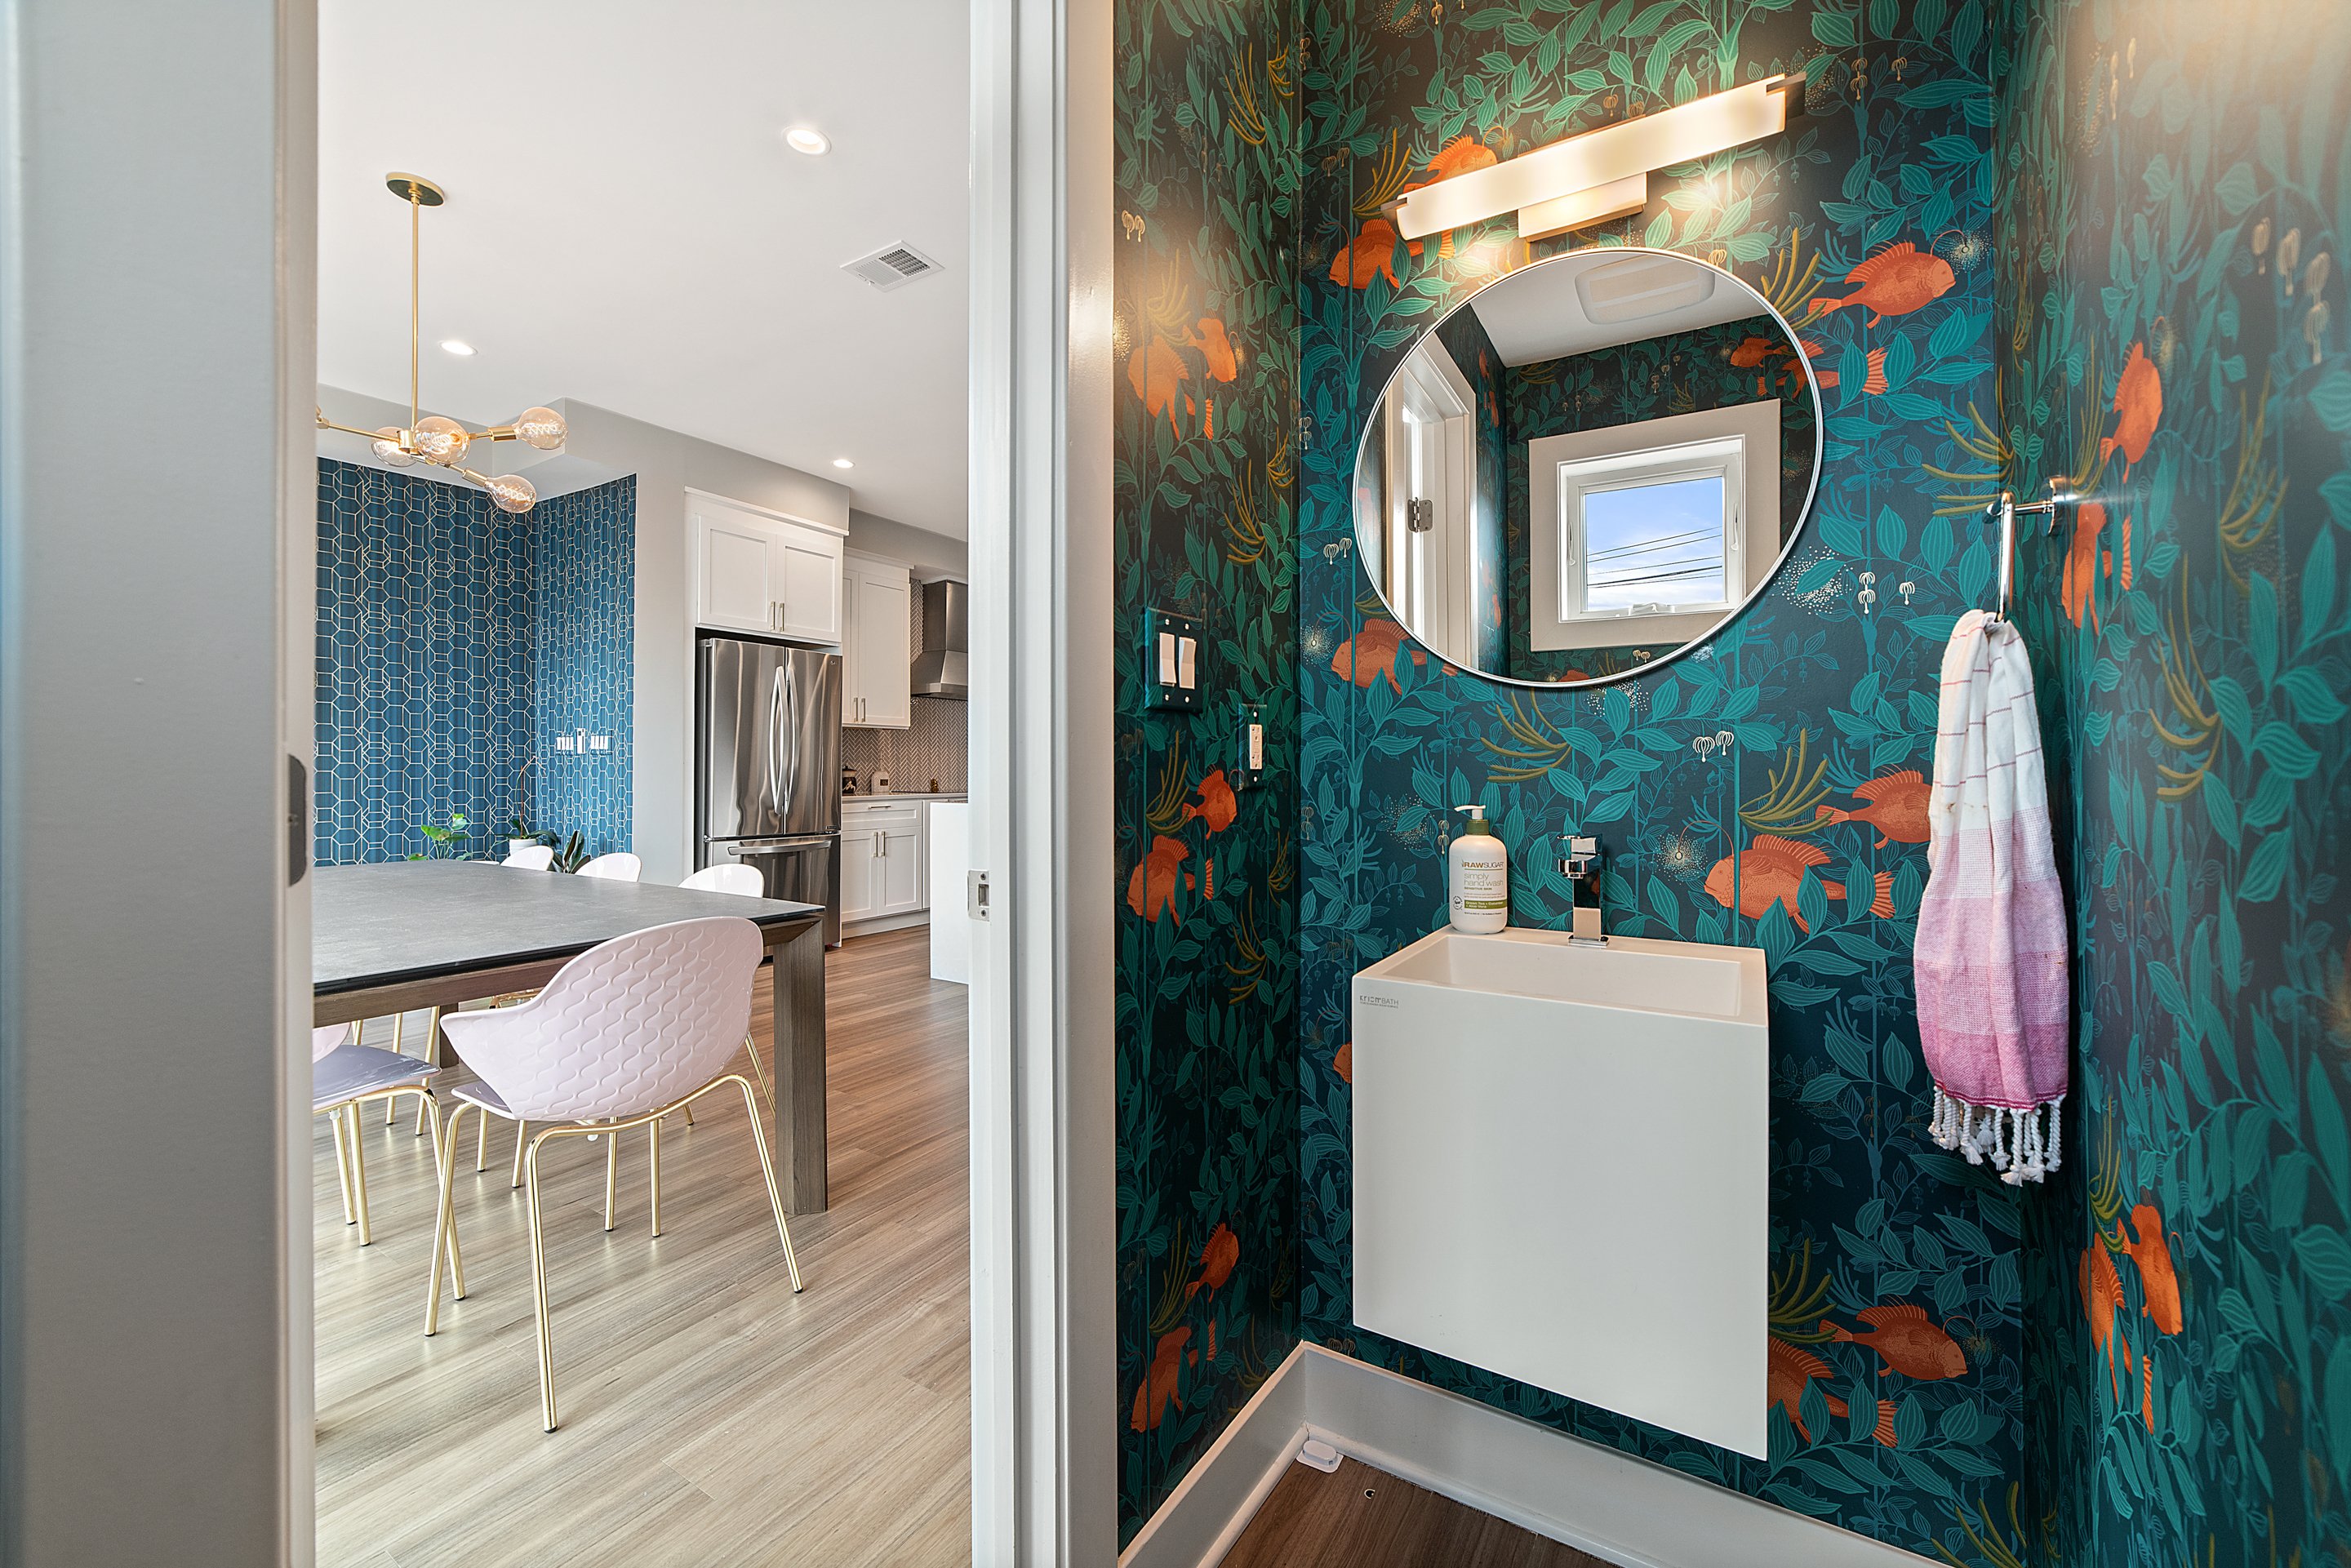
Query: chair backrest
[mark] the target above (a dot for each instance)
(625, 1028)
(538, 857)
(618, 866)
(737, 878)
(325, 1043)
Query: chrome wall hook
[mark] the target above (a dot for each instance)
(2005, 511)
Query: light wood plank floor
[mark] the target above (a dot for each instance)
(709, 1415)
(1357, 1517)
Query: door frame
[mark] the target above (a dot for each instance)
(155, 1274)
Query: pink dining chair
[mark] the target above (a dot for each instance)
(625, 1033)
(537, 857)
(345, 1075)
(618, 866)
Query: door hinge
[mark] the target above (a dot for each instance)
(979, 892)
(1420, 514)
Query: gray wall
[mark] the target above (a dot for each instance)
(154, 381)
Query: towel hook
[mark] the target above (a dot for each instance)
(2005, 511)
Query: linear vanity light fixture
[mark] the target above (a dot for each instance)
(1602, 173)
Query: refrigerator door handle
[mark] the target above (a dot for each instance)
(774, 746)
(787, 736)
(777, 846)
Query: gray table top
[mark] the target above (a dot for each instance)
(409, 920)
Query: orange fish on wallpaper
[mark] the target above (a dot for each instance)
(1373, 255)
(2149, 1250)
(1159, 1384)
(1215, 347)
(1213, 802)
(2079, 591)
(1156, 371)
(2138, 399)
(1371, 652)
(1895, 281)
(1894, 803)
(1788, 1369)
(1906, 1340)
(1152, 888)
(2102, 1296)
(1343, 1061)
(1218, 1258)
(1770, 870)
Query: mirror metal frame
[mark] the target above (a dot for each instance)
(1792, 536)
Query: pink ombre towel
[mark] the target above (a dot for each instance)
(1990, 958)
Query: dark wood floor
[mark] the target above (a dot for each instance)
(1357, 1517)
(709, 1415)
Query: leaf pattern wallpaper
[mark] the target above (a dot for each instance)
(1206, 473)
(1762, 792)
(2177, 183)
(2093, 240)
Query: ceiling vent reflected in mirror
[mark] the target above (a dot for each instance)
(1642, 287)
(892, 267)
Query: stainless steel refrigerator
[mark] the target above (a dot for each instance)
(767, 767)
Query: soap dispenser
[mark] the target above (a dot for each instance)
(1478, 877)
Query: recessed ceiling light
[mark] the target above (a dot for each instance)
(808, 140)
(457, 346)
(842, 463)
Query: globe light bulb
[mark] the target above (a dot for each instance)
(440, 439)
(541, 427)
(512, 492)
(388, 450)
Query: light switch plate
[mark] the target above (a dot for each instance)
(1173, 660)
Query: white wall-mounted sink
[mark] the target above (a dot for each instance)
(1561, 1169)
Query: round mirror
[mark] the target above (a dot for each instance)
(1587, 466)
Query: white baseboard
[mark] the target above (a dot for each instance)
(1585, 1494)
(881, 922)
(1224, 1487)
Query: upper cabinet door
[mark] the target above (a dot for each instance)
(758, 572)
(877, 645)
(734, 581)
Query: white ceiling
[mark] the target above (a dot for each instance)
(626, 226)
(1535, 314)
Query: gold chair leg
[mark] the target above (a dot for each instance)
(751, 1049)
(654, 1182)
(522, 1136)
(482, 1141)
(611, 1174)
(431, 1059)
(445, 1220)
(343, 1165)
(359, 1177)
(539, 1293)
(767, 1169)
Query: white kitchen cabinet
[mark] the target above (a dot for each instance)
(883, 875)
(877, 642)
(763, 572)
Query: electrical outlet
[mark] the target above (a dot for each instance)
(1249, 743)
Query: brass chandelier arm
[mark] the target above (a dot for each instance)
(325, 423)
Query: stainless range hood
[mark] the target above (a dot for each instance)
(942, 668)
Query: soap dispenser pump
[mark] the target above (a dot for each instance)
(1478, 877)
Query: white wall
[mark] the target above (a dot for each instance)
(930, 555)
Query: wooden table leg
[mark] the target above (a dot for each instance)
(800, 1071)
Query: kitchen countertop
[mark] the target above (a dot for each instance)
(905, 795)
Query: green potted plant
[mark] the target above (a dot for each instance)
(445, 843)
(571, 855)
(521, 835)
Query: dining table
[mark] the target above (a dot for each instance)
(399, 936)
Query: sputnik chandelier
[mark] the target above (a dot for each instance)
(435, 438)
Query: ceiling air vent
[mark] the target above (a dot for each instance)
(892, 267)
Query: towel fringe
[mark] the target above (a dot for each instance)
(2024, 1146)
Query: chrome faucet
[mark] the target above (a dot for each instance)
(1581, 865)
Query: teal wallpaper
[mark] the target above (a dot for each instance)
(2177, 183)
(1205, 451)
(1763, 791)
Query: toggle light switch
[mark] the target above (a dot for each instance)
(1173, 660)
